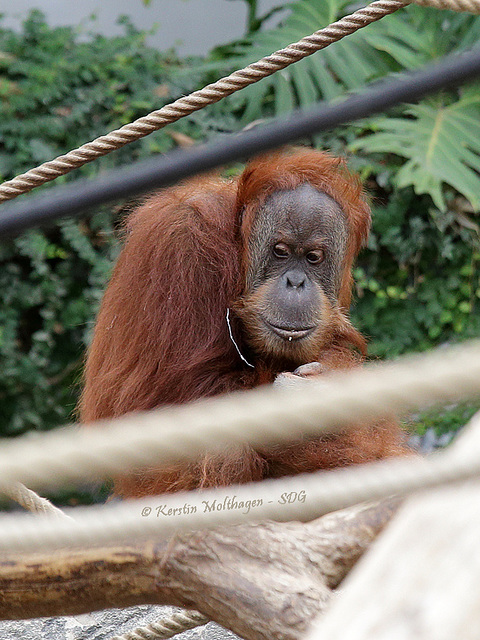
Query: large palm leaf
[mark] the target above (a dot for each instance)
(440, 140)
(348, 64)
(439, 137)
(417, 35)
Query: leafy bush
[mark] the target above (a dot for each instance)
(58, 89)
(439, 138)
(448, 420)
(418, 283)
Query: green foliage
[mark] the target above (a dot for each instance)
(350, 63)
(60, 88)
(416, 36)
(418, 282)
(49, 286)
(254, 19)
(439, 137)
(446, 420)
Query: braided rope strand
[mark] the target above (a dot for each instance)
(31, 501)
(467, 6)
(166, 627)
(199, 99)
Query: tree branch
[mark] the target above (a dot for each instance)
(260, 581)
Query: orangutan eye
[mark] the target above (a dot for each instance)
(281, 251)
(315, 257)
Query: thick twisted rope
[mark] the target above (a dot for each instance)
(469, 6)
(258, 417)
(315, 494)
(166, 627)
(199, 99)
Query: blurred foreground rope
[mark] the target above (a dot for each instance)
(257, 417)
(260, 416)
(314, 495)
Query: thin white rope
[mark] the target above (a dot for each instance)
(261, 416)
(302, 497)
(230, 333)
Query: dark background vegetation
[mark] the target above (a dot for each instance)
(417, 284)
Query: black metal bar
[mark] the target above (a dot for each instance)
(82, 195)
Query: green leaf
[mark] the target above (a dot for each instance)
(441, 143)
(284, 97)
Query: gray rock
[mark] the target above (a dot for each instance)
(102, 625)
(430, 441)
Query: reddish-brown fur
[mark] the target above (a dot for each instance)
(161, 335)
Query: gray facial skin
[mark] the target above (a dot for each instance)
(304, 220)
(296, 251)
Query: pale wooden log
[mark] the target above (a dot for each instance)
(260, 581)
(421, 580)
(468, 444)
